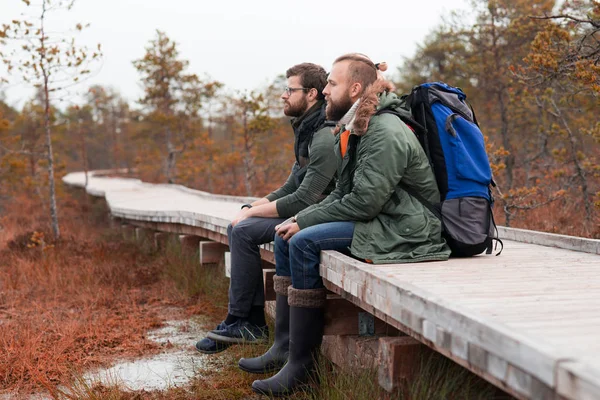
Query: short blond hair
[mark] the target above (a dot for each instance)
(361, 69)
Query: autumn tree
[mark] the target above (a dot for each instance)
(50, 63)
(563, 71)
(110, 115)
(172, 98)
(479, 58)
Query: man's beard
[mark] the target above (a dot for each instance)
(336, 110)
(297, 109)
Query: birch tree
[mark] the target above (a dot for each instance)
(52, 63)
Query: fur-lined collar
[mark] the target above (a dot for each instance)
(368, 105)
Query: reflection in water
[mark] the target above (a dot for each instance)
(175, 367)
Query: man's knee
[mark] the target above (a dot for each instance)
(279, 242)
(239, 231)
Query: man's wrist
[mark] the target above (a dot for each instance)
(248, 206)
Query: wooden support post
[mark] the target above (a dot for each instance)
(189, 243)
(351, 351)
(228, 264)
(161, 240)
(114, 222)
(268, 275)
(144, 235)
(267, 255)
(211, 252)
(399, 360)
(128, 232)
(342, 318)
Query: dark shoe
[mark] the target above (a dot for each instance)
(276, 357)
(241, 331)
(209, 346)
(306, 334)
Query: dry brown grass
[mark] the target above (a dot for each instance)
(80, 302)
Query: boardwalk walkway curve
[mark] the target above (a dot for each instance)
(527, 321)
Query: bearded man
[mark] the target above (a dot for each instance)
(311, 179)
(367, 216)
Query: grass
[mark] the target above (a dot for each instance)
(89, 299)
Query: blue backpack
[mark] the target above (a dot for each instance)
(448, 131)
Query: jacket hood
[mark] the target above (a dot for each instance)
(378, 96)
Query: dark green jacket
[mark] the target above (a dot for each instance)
(389, 228)
(312, 176)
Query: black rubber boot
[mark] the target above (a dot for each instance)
(276, 357)
(306, 334)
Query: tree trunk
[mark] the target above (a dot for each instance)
(170, 155)
(50, 154)
(83, 153)
(579, 170)
(504, 123)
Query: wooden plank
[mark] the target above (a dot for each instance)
(114, 222)
(268, 275)
(128, 232)
(267, 255)
(144, 235)
(342, 318)
(190, 243)
(228, 264)
(398, 360)
(161, 240)
(550, 239)
(211, 252)
(579, 380)
(488, 335)
(351, 351)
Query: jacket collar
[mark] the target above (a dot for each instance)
(368, 105)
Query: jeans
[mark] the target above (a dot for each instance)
(300, 256)
(246, 287)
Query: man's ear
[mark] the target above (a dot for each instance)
(313, 94)
(355, 90)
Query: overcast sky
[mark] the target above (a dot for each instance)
(243, 44)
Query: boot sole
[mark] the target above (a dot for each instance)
(210, 351)
(271, 394)
(262, 371)
(280, 394)
(230, 340)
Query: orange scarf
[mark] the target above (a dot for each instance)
(344, 137)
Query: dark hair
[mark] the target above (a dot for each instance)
(361, 68)
(311, 76)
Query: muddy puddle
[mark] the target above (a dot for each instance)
(175, 366)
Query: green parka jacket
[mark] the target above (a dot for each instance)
(390, 228)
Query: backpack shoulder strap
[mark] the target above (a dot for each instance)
(420, 198)
(404, 118)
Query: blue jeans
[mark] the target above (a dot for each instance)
(300, 257)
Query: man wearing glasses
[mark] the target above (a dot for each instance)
(310, 181)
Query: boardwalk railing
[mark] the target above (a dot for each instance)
(527, 321)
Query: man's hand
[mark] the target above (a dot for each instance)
(287, 231)
(240, 216)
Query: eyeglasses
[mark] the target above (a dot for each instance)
(289, 90)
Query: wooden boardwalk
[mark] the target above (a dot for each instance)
(528, 321)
